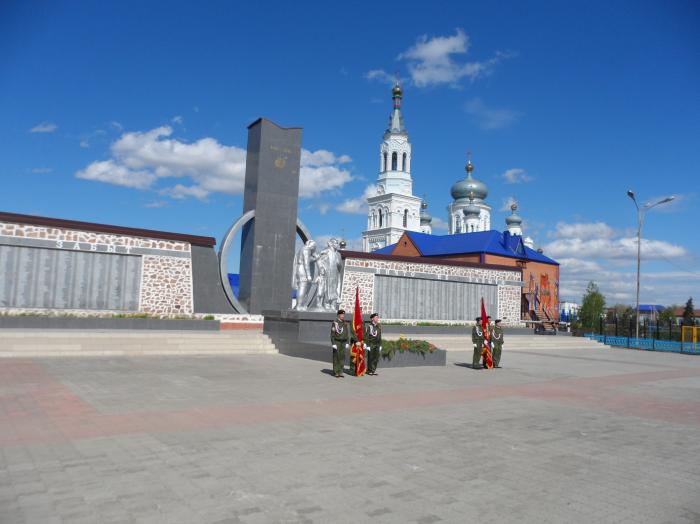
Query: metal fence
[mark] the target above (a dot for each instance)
(668, 330)
(649, 344)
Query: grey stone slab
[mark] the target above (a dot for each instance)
(207, 292)
(272, 190)
(61, 279)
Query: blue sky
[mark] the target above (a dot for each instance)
(135, 113)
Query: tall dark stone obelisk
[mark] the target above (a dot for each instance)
(272, 190)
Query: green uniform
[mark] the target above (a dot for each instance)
(478, 341)
(340, 341)
(373, 339)
(496, 344)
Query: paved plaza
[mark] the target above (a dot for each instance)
(568, 435)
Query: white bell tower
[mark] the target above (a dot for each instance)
(394, 209)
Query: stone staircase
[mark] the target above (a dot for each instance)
(65, 342)
(511, 342)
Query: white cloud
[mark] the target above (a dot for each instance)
(439, 224)
(139, 159)
(380, 76)
(489, 118)
(506, 203)
(316, 180)
(576, 264)
(516, 175)
(178, 191)
(84, 143)
(431, 61)
(582, 230)
(177, 119)
(112, 172)
(613, 248)
(358, 205)
(44, 127)
(42, 170)
(595, 251)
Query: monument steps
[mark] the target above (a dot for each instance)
(29, 343)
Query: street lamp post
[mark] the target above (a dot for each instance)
(641, 212)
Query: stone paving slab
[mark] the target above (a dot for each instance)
(573, 435)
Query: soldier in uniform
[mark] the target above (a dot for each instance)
(340, 341)
(478, 342)
(373, 341)
(497, 342)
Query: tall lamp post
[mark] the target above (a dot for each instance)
(641, 212)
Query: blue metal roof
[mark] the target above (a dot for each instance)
(648, 308)
(492, 242)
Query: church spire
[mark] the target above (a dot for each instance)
(396, 125)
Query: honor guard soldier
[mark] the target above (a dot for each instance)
(373, 341)
(340, 341)
(478, 342)
(497, 343)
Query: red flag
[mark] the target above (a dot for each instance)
(486, 350)
(358, 349)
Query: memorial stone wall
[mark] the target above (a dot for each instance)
(401, 288)
(82, 267)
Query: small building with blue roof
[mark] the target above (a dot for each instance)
(540, 291)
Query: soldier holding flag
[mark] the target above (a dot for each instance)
(358, 348)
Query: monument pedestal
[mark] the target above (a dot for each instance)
(307, 334)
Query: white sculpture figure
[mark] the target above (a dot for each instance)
(321, 282)
(302, 276)
(332, 263)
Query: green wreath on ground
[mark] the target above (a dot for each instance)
(390, 347)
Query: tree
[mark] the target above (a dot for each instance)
(592, 306)
(668, 314)
(689, 313)
(623, 312)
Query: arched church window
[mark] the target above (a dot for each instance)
(385, 162)
(381, 217)
(403, 163)
(394, 161)
(405, 216)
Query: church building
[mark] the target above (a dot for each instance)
(399, 225)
